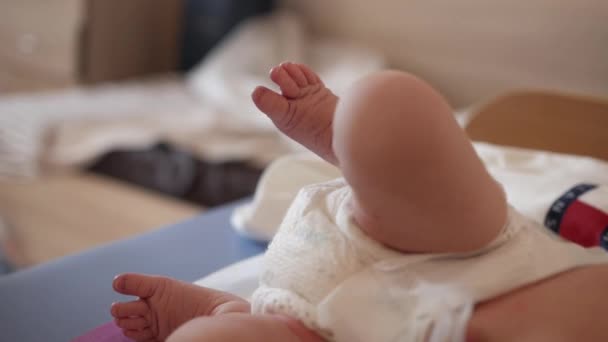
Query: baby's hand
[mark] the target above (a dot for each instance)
(164, 304)
(304, 110)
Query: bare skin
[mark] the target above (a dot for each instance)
(407, 160)
(565, 307)
(166, 304)
(303, 111)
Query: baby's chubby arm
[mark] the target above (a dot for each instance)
(243, 327)
(231, 320)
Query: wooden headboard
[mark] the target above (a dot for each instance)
(546, 121)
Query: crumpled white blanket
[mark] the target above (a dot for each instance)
(210, 113)
(532, 179)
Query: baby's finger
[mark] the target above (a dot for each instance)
(136, 323)
(135, 284)
(129, 309)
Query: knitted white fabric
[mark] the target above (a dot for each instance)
(323, 270)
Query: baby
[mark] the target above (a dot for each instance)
(416, 243)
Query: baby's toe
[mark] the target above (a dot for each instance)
(311, 77)
(269, 102)
(133, 323)
(283, 79)
(129, 309)
(296, 73)
(140, 335)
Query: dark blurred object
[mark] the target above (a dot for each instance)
(5, 266)
(123, 39)
(220, 183)
(176, 173)
(207, 21)
(49, 44)
(7, 250)
(161, 168)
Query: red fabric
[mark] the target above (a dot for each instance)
(583, 224)
(108, 332)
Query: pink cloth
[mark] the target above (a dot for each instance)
(108, 332)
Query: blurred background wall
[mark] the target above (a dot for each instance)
(58, 43)
(469, 49)
(474, 49)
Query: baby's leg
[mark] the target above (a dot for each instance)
(567, 307)
(418, 184)
(243, 327)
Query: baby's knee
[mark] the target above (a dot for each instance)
(386, 110)
(393, 90)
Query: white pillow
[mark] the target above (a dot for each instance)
(566, 193)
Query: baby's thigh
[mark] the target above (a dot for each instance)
(242, 327)
(567, 307)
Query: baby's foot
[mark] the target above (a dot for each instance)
(305, 109)
(164, 304)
